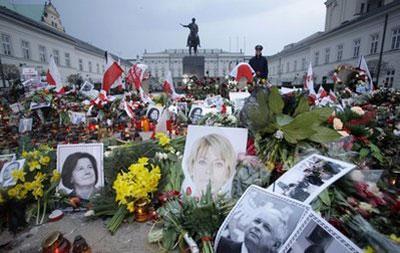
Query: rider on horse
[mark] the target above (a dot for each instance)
(193, 39)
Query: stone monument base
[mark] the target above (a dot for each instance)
(193, 65)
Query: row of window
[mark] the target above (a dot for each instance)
(27, 55)
(373, 49)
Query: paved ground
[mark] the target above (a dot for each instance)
(129, 237)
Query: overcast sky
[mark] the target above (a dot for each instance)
(128, 27)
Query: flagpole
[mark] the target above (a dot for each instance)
(382, 47)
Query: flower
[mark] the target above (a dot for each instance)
(1, 198)
(358, 110)
(143, 160)
(369, 249)
(34, 165)
(44, 160)
(337, 124)
(18, 175)
(131, 207)
(395, 238)
(55, 177)
(279, 135)
(162, 138)
(344, 133)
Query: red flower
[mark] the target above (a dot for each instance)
(189, 191)
(251, 149)
(311, 100)
(330, 120)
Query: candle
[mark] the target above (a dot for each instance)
(145, 125)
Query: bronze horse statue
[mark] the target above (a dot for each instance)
(193, 40)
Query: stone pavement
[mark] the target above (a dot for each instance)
(129, 237)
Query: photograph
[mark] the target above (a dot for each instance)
(316, 235)
(238, 99)
(81, 169)
(182, 107)
(196, 113)
(25, 125)
(77, 117)
(16, 107)
(210, 156)
(310, 177)
(35, 106)
(259, 222)
(6, 178)
(154, 113)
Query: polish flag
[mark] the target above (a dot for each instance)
(118, 84)
(243, 70)
(112, 73)
(168, 87)
(364, 67)
(309, 84)
(53, 76)
(137, 73)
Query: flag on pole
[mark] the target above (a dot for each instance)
(111, 74)
(243, 70)
(118, 84)
(309, 84)
(53, 76)
(168, 87)
(364, 67)
(136, 74)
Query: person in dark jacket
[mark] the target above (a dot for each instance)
(259, 63)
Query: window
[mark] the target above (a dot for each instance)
(90, 66)
(6, 41)
(80, 64)
(56, 56)
(67, 60)
(303, 64)
(316, 58)
(339, 53)
(396, 38)
(356, 49)
(295, 66)
(374, 43)
(287, 67)
(25, 49)
(389, 79)
(42, 54)
(327, 55)
(98, 68)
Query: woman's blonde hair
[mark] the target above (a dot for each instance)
(221, 146)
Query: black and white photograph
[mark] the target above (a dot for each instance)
(35, 106)
(25, 125)
(210, 156)
(81, 168)
(238, 99)
(87, 89)
(196, 113)
(310, 177)
(260, 222)
(16, 107)
(182, 107)
(154, 113)
(6, 178)
(316, 235)
(77, 117)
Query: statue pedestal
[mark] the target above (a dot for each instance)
(193, 65)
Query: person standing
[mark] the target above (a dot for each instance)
(259, 63)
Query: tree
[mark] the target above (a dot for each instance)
(75, 79)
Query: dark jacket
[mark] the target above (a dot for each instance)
(226, 245)
(260, 66)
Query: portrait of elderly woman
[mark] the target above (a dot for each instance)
(210, 158)
(81, 169)
(196, 113)
(154, 113)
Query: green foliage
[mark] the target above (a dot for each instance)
(275, 101)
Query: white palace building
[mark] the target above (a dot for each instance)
(353, 28)
(30, 33)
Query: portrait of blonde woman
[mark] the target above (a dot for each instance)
(211, 158)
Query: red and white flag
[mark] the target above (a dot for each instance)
(53, 76)
(137, 73)
(309, 84)
(243, 70)
(118, 84)
(111, 74)
(168, 87)
(364, 67)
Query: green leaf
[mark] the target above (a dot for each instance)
(302, 106)
(283, 119)
(376, 152)
(322, 114)
(275, 101)
(324, 135)
(324, 197)
(363, 153)
(293, 135)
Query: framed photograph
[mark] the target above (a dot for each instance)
(316, 235)
(77, 117)
(6, 178)
(154, 113)
(210, 155)
(196, 113)
(25, 125)
(259, 222)
(5, 159)
(310, 177)
(87, 89)
(182, 107)
(81, 168)
(214, 101)
(35, 106)
(238, 99)
(16, 107)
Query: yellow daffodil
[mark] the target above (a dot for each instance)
(25, 154)
(143, 160)
(18, 175)
(131, 207)
(369, 249)
(163, 139)
(55, 177)
(1, 198)
(270, 165)
(394, 238)
(44, 160)
(12, 193)
(34, 165)
(29, 186)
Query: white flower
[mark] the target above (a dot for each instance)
(337, 124)
(343, 133)
(357, 176)
(279, 135)
(232, 118)
(358, 110)
(89, 213)
(161, 156)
